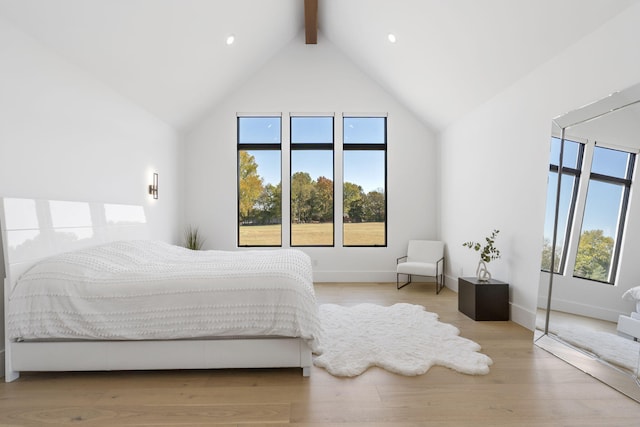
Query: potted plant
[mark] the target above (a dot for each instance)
(488, 252)
(192, 238)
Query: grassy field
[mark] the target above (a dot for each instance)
(362, 234)
(365, 233)
(260, 235)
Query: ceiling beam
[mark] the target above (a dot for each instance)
(311, 21)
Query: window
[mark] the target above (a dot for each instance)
(571, 166)
(604, 215)
(312, 207)
(259, 186)
(364, 181)
(592, 208)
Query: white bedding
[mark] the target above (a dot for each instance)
(633, 294)
(149, 290)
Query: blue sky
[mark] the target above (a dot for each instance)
(365, 168)
(603, 199)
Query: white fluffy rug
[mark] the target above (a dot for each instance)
(403, 338)
(612, 348)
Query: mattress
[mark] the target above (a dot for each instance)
(146, 290)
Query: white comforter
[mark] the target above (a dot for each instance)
(151, 290)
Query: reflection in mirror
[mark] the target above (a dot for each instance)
(24, 245)
(21, 214)
(70, 214)
(589, 308)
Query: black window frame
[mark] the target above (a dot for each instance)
(626, 184)
(255, 147)
(576, 173)
(312, 146)
(367, 147)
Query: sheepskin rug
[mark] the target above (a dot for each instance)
(404, 339)
(612, 348)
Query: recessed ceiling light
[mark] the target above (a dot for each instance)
(230, 39)
(391, 37)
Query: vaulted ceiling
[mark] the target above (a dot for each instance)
(170, 56)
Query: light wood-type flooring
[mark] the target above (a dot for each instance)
(526, 387)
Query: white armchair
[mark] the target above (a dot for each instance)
(424, 258)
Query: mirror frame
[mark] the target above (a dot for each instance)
(623, 381)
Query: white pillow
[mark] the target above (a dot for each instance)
(632, 294)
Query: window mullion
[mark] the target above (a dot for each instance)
(286, 181)
(573, 229)
(622, 217)
(338, 183)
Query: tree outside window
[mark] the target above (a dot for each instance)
(259, 186)
(604, 215)
(312, 218)
(364, 195)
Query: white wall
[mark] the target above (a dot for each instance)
(315, 78)
(65, 135)
(495, 160)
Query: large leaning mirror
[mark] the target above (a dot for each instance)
(589, 308)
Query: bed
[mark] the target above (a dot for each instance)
(86, 290)
(630, 325)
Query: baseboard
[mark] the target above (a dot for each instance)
(2, 353)
(451, 282)
(523, 317)
(587, 310)
(354, 276)
(371, 277)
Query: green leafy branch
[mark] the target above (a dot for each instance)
(488, 252)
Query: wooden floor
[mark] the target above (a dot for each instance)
(526, 387)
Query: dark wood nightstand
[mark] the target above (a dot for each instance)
(483, 300)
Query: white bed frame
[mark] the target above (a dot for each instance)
(629, 326)
(35, 229)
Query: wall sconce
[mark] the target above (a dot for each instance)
(153, 188)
